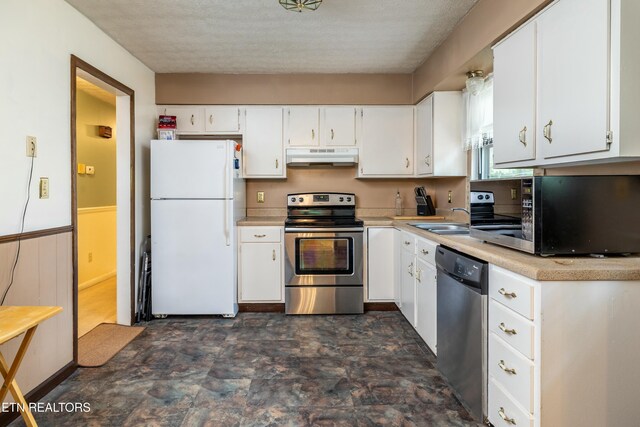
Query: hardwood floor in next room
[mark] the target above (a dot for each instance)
(265, 369)
(96, 305)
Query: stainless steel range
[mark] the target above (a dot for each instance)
(323, 254)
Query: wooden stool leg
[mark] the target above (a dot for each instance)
(10, 384)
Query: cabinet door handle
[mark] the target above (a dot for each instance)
(192, 120)
(165, 112)
(410, 270)
(505, 418)
(274, 255)
(211, 118)
(419, 275)
(276, 163)
(502, 291)
(522, 136)
(504, 329)
(259, 235)
(313, 134)
(502, 366)
(406, 242)
(427, 160)
(332, 133)
(407, 162)
(546, 131)
(424, 251)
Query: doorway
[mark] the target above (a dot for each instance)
(102, 199)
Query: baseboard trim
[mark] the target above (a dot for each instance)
(261, 307)
(279, 307)
(380, 306)
(41, 391)
(89, 283)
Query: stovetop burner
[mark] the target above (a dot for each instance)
(322, 210)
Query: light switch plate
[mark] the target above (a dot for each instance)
(44, 188)
(82, 169)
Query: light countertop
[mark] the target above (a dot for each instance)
(556, 268)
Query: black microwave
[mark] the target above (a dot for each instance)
(559, 215)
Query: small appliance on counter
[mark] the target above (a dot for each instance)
(425, 204)
(562, 215)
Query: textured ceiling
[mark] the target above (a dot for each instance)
(259, 36)
(95, 91)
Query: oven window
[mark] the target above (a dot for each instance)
(324, 255)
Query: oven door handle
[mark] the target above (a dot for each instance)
(322, 229)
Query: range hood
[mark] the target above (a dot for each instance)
(322, 156)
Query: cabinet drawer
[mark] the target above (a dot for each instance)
(512, 290)
(503, 411)
(408, 242)
(426, 251)
(511, 327)
(260, 234)
(513, 370)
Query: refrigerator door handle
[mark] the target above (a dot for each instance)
(226, 198)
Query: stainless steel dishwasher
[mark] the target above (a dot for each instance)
(462, 327)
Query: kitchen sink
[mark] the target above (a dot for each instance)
(446, 229)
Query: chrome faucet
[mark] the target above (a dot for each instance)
(461, 209)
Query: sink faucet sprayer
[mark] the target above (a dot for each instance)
(460, 209)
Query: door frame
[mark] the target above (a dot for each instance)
(76, 64)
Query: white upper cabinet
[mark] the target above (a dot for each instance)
(302, 126)
(222, 119)
(438, 136)
(189, 119)
(587, 93)
(386, 148)
(338, 126)
(573, 67)
(262, 144)
(514, 96)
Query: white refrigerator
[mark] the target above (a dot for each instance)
(197, 195)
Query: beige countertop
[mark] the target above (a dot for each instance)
(261, 221)
(535, 267)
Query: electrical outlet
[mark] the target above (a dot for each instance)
(90, 257)
(44, 187)
(449, 196)
(514, 193)
(32, 146)
(260, 196)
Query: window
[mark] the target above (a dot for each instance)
(478, 135)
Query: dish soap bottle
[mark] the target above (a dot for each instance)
(398, 204)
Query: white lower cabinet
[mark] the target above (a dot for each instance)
(426, 300)
(380, 264)
(260, 264)
(407, 277)
(572, 361)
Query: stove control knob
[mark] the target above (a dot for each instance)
(300, 199)
(341, 199)
(480, 197)
(293, 199)
(348, 199)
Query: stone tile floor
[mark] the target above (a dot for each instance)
(265, 369)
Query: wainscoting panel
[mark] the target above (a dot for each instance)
(43, 277)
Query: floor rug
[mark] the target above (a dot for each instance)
(98, 346)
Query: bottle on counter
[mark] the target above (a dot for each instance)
(398, 204)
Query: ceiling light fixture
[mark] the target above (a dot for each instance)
(300, 5)
(475, 81)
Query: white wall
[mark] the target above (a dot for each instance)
(96, 236)
(38, 37)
